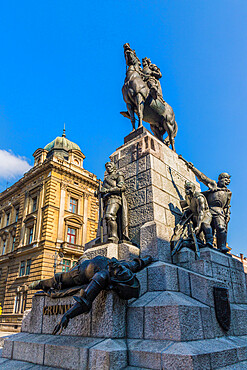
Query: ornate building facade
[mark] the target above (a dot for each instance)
(45, 219)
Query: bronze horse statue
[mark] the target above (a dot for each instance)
(136, 94)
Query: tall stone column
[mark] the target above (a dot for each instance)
(60, 235)
(155, 178)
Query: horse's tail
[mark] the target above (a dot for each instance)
(174, 134)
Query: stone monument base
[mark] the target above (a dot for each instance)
(126, 251)
(172, 325)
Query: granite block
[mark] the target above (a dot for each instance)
(34, 320)
(7, 348)
(141, 215)
(159, 213)
(202, 267)
(184, 281)
(213, 255)
(184, 356)
(207, 322)
(185, 255)
(68, 351)
(109, 354)
(239, 293)
(202, 288)
(223, 354)
(79, 325)
(135, 322)
(142, 276)
(236, 264)
(136, 199)
(162, 276)
(173, 316)
(239, 319)
(155, 240)
(30, 350)
(108, 316)
(146, 353)
(135, 315)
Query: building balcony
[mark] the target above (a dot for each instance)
(72, 247)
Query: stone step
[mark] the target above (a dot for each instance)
(175, 316)
(201, 354)
(169, 316)
(67, 352)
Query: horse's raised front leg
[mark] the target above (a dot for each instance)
(132, 115)
(140, 108)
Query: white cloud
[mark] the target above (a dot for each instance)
(12, 165)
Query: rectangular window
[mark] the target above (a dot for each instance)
(17, 303)
(74, 263)
(16, 214)
(7, 219)
(71, 235)
(66, 265)
(22, 268)
(24, 301)
(13, 244)
(4, 247)
(30, 235)
(73, 205)
(28, 267)
(34, 204)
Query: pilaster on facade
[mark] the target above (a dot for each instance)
(46, 217)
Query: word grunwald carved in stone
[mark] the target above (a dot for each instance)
(56, 309)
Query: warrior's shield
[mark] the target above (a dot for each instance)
(222, 307)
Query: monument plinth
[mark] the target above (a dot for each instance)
(154, 177)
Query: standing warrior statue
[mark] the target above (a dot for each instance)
(218, 197)
(115, 204)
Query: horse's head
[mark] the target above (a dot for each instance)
(130, 56)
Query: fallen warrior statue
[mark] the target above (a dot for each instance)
(100, 273)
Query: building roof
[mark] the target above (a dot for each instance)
(61, 142)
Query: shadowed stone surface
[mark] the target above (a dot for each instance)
(162, 276)
(173, 316)
(108, 316)
(109, 354)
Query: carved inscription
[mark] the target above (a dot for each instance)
(56, 309)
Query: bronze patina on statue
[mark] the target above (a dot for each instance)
(99, 273)
(142, 94)
(113, 205)
(218, 197)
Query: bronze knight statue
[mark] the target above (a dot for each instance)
(218, 197)
(197, 216)
(114, 204)
(99, 273)
(143, 95)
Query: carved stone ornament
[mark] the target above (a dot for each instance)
(222, 307)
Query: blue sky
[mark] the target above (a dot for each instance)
(62, 61)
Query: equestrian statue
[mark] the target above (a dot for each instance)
(143, 95)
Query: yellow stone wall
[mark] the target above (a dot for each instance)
(54, 182)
